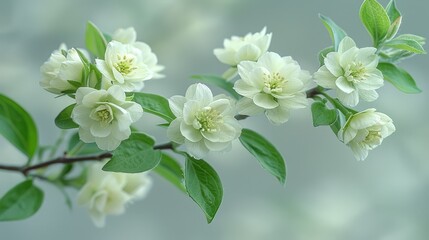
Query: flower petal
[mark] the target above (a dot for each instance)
(265, 101)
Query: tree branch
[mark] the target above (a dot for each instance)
(67, 160)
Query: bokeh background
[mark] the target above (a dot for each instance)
(328, 194)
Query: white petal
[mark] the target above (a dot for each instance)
(217, 146)
(190, 133)
(197, 149)
(324, 77)
(244, 89)
(278, 115)
(177, 103)
(173, 132)
(82, 92)
(106, 143)
(332, 63)
(265, 101)
(100, 130)
(351, 99)
(344, 85)
(359, 152)
(368, 95)
(248, 52)
(247, 107)
(199, 92)
(345, 44)
(225, 56)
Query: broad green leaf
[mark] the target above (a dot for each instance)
(170, 169)
(203, 186)
(335, 32)
(17, 126)
(392, 11)
(154, 104)
(322, 115)
(134, 155)
(95, 41)
(375, 19)
(419, 39)
(393, 28)
(86, 68)
(405, 44)
(323, 53)
(267, 155)
(64, 120)
(21, 202)
(399, 78)
(218, 82)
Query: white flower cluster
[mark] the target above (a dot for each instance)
(104, 115)
(269, 83)
(107, 193)
(204, 122)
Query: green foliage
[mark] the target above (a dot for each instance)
(170, 169)
(375, 19)
(392, 11)
(409, 45)
(322, 115)
(399, 78)
(95, 40)
(154, 104)
(218, 82)
(21, 202)
(203, 186)
(134, 155)
(64, 120)
(78, 148)
(335, 32)
(17, 126)
(86, 68)
(267, 155)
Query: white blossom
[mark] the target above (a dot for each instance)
(63, 66)
(123, 65)
(365, 131)
(104, 116)
(273, 85)
(129, 36)
(108, 193)
(204, 122)
(352, 72)
(247, 48)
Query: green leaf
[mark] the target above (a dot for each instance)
(154, 104)
(203, 186)
(322, 115)
(336, 126)
(95, 41)
(267, 155)
(323, 53)
(64, 120)
(375, 19)
(405, 44)
(134, 155)
(17, 126)
(21, 202)
(399, 78)
(170, 169)
(86, 68)
(218, 82)
(393, 28)
(392, 11)
(335, 32)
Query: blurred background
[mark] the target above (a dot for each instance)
(328, 194)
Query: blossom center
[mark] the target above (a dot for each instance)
(207, 120)
(357, 72)
(103, 114)
(125, 64)
(373, 138)
(273, 83)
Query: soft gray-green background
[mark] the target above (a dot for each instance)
(328, 194)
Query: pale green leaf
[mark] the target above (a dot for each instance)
(64, 120)
(322, 115)
(398, 77)
(95, 41)
(203, 186)
(375, 19)
(171, 170)
(267, 155)
(17, 126)
(335, 32)
(134, 155)
(154, 104)
(21, 202)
